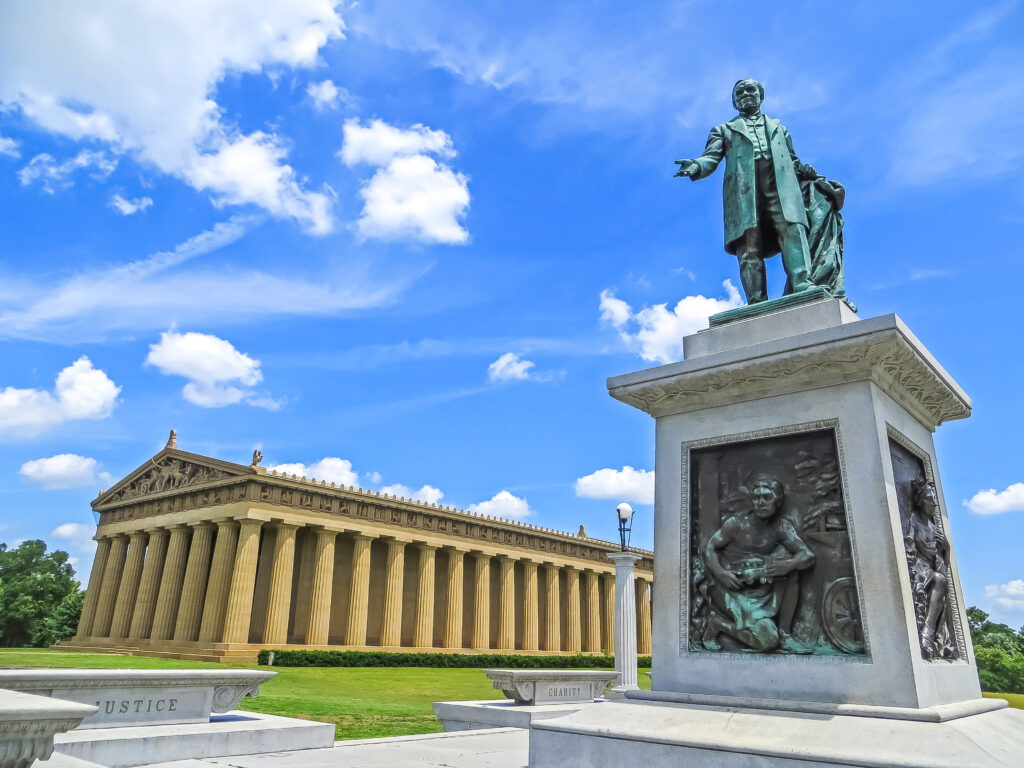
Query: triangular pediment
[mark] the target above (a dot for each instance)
(169, 471)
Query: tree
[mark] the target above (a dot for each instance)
(999, 651)
(36, 591)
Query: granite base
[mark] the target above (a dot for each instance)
(656, 734)
(233, 733)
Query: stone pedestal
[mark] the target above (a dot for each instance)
(794, 452)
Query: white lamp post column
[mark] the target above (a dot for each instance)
(625, 620)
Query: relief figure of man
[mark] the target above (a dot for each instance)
(747, 559)
(764, 207)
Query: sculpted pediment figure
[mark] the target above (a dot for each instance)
(167, 471)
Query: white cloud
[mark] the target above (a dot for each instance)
(65, 470)
(327, 95)
(377, 142)
(415, 198)
(330, 468)
(150, 293)
(53, 175)
(411, 195)
(218, 373)
(144, 79)
(656, 332)
(81, 392)
(9, 147)
(626, 484)
(509, 367)
(77, 535)
(373, 477)
(1009, 595)
(503, 504)
(993, 502)
(427, 493)
(127, 207)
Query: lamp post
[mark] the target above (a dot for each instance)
(625, 606)
(625, 515)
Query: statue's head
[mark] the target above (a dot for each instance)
(766, 494)
(747, 95)
(923, 497)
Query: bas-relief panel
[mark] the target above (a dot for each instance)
(771, 564)
(927, 552)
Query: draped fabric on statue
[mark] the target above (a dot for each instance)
(824, 199)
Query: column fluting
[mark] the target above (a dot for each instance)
(211, 629)
(643, 617)
(423, 637)
(243, 582)
(531, 607)
(507, 609)
(592, 633)
(193, 589)
(169, 596)
(391, 628)
(111, 583)
(481, 601)
(149, 584)
(323, 589)
(553, 625)
(573, 625)
(275, 628)
(129, 588)
(359, 592)
(609, 612)
(92, 592)
(453, 606)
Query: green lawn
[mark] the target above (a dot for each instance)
(362, 702)
(1016, 699)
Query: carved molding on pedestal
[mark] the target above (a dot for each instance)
(886, 357)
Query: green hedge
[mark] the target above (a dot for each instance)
(465, 660)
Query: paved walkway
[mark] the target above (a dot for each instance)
(491, 748)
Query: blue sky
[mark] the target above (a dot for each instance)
(390, 241)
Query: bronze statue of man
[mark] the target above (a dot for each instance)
(764, 207)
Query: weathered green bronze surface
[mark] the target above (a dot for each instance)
(773, 202)
(771, 559)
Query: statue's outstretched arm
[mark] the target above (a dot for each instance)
(706, 164)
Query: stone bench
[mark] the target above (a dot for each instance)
(28, 724)
(550, 686)
(140, 697)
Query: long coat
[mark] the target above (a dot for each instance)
(732, 141)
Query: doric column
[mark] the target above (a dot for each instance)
(643, 617)
(553, 630)
(243, 582)
(391, 629)
(481, 600)
(211, 629)
(609, 612)
(507, 609)
(323, 589)
(531, 607)
(169, 596)
(359, 592)
(275, 628)
(129, 588)
(424, 635)
(592, 633)
(193, 590)
(92, 592)
(111, 583)
(573, 627)
(453, 609)
(149, 585)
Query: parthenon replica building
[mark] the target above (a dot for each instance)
(200, 558)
